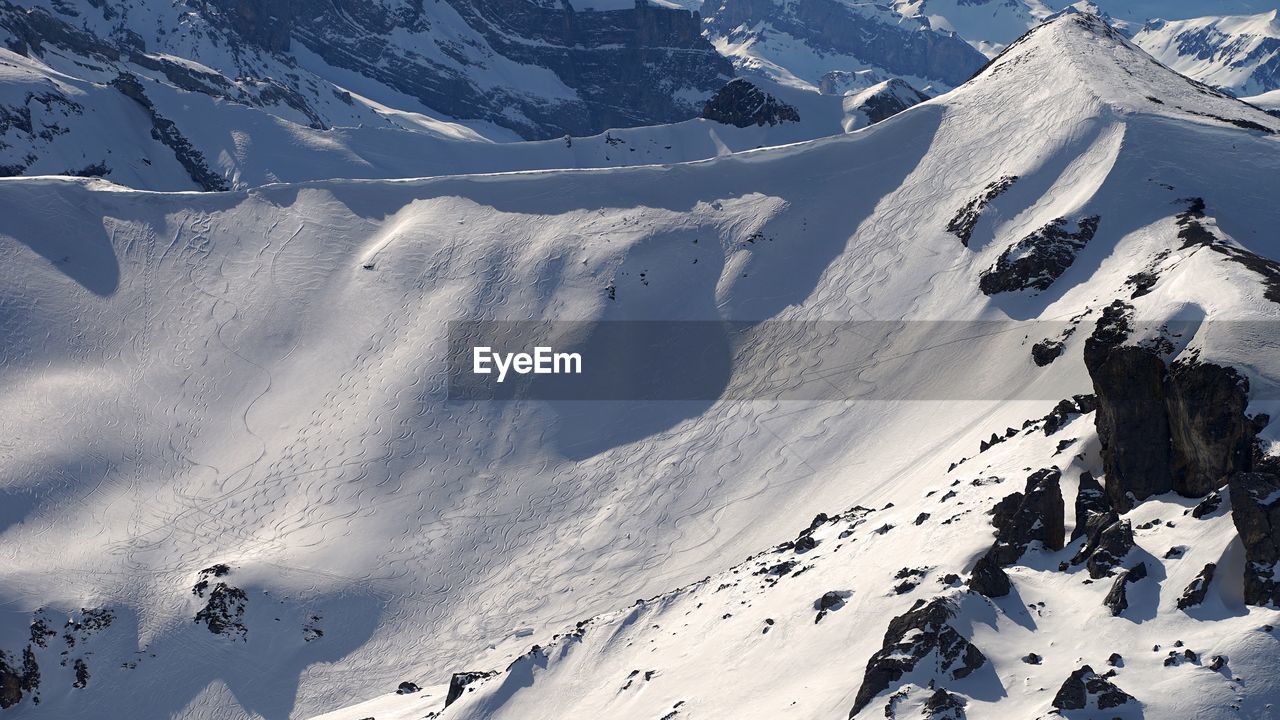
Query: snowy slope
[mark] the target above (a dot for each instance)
(1269, 101)
(1238, 53)
(754, 641)
(256, 378)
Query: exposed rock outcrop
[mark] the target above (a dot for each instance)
(1085, 689)
(923, 633)
(167, 132)
(1067, 409)
(742, 104)
(1255, 508)
(1108, 543)
(1091, 498)
(640, 65)
(989, 579)
(223, 612)
(966, 219)
(1211, 436)
(1196, 591)
(266, 23)
(18, 680)
(1036, 261)
(1164, 429)
(830, 600)
(943, 705)
(10, 684)
(1038, 518)
(898, 45)
(883, 101)
(459, 682)
(1195, 233)
(1117, 600)
(1107, 540)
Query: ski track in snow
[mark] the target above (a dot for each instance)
(244, 391)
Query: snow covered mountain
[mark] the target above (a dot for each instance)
(139, 129)
(966, 582)
(85, 102)
(861, 44)
(233, 485)
(1240, 54)
(540, 69)
(798, 42)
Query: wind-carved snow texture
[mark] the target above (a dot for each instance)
(255, 378)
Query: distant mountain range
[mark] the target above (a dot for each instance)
(213, 94)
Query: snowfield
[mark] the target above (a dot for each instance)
(232, 484)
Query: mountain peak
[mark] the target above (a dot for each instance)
(1078, 60)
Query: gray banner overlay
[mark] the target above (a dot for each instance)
(794, 361)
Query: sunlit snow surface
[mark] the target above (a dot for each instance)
(255, 378)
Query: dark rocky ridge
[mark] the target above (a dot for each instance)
(628, 66)
(167, 132)
(223, 612)
(1194, 232)
(742, 104)
(1117, 600)
(459, 681)
(1108, 541)
(1195, 592)
(643, 65)
(896, 96)
(966, 219)
(1036, 261)
(1091, 499)
(1038, 518)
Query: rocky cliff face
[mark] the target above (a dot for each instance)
(540, 69)
(598, 69)
(1164, 427)
(858, 37)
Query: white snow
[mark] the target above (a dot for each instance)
(199, 378)
(1221, 51)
